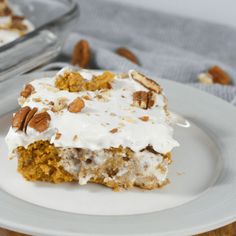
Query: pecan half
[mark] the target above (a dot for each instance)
(126, 53)
(40, 121)
(19, 118)
(146, 82)
(28, 90)
(144, 99)
(29, 117)
(81, 54)
(219, 75)
(76, 106)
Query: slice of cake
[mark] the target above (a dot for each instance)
(93, 127)
(12, 24)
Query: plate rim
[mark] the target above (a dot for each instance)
(25, 228)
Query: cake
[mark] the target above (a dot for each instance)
(93, 127)
(12, 23)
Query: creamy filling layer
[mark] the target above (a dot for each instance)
(118, 168)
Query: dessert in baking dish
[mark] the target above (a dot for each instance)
(94, 127)
(12, 23)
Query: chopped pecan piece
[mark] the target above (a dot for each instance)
(126, 53)
(19, 118)
(86, 97)
(59, 104)
(40, 121)
(58, 136)
(146, 82)
(114, 130)
(28, 90)
(219, 75)
(76, 106)
(144, 118)
(29, 117)
(144, 99)
(81, 54)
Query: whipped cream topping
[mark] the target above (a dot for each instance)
(107, 110)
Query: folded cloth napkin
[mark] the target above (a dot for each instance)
(167, 46)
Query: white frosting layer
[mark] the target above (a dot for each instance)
(92, 125)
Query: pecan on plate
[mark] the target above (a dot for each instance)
(126, 53)
(144, 99)
(81, 54)
(219, 75)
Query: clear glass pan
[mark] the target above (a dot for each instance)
(52, 19)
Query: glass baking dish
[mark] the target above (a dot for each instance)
(52, 19)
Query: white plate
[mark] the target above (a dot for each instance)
(200, 197)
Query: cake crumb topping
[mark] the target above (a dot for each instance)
(75, 82)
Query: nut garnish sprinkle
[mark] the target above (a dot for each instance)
(81, 54)
(58, 136)
(87, 97)
(37, 99)
(75, 137)
(40, 121)
(114, 130)
(144, 99)
(146, 82)
(59, 104)
(144, 118)
(27, 91)
(76, 106)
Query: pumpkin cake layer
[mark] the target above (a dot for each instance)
(118, 168)
(98, 127)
